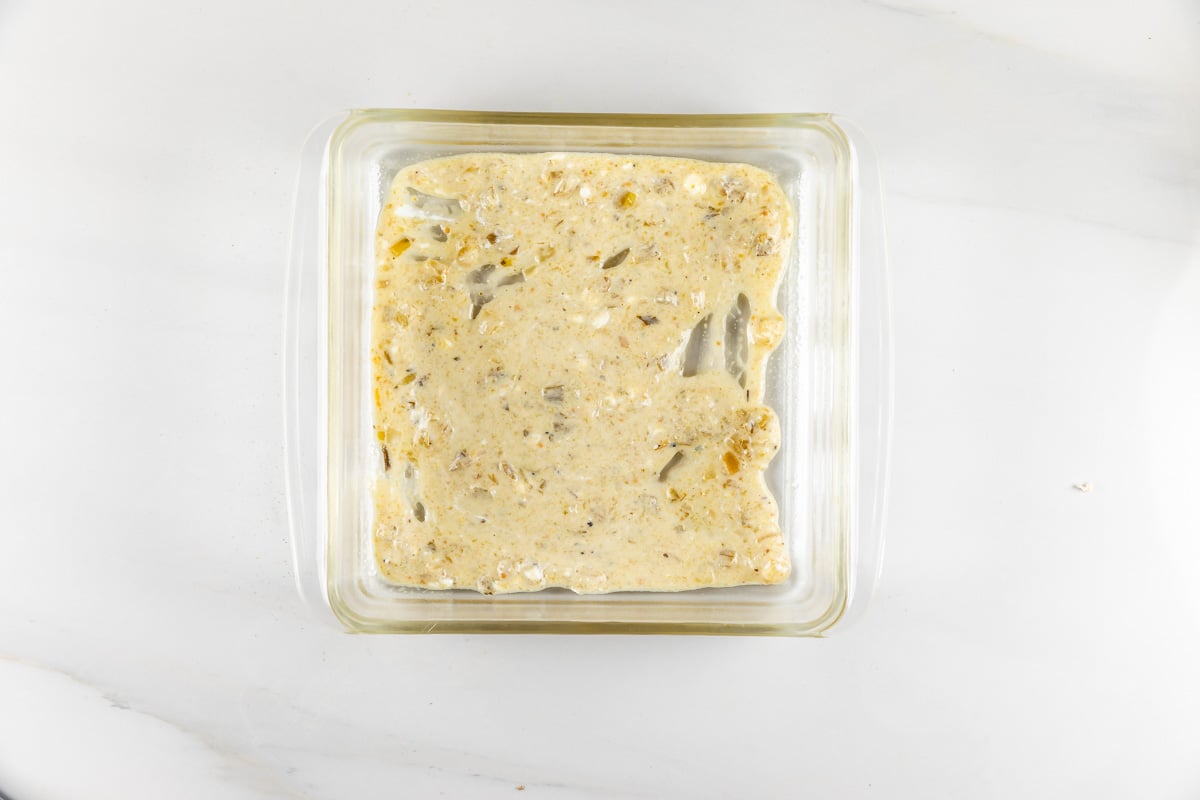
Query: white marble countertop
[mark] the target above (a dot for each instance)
(1042, 163)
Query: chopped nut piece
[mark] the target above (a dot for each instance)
(670, 465)
(617, 260)
(765, 245)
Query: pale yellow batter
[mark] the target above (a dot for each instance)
(568, 358)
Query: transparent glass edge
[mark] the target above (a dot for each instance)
(862, 559)
(872, 374)
(598, 119)
(303, 373)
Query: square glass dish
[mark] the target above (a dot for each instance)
(829, 381)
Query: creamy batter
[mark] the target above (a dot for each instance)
(569, 354)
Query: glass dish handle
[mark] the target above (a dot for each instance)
(304, 420)
(873, 370)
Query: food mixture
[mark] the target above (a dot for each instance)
(569, 354)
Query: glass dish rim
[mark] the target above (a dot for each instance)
(865, 551)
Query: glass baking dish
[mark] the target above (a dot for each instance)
(829, 381)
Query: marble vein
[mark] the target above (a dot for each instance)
(98, 733)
